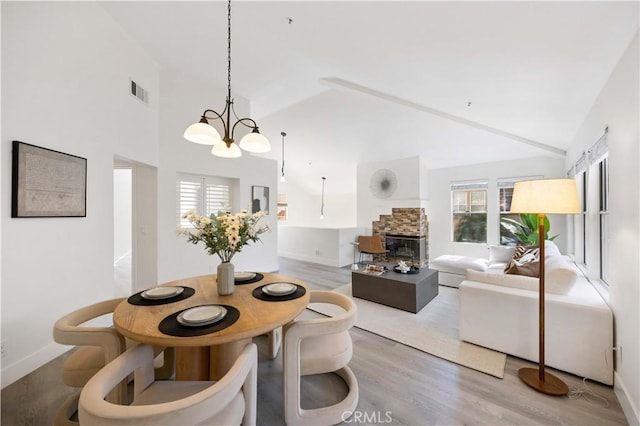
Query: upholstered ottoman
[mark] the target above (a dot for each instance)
(452, 269)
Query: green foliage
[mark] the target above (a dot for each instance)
(471, 228)
(526, 231)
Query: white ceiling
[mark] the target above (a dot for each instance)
(369, 81)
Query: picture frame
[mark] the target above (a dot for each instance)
(47, 183)
(282, 212)
(260, 199)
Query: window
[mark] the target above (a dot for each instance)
(204, 194)
(603, 170)
(469, 212)
(506, 218)
(581, 219)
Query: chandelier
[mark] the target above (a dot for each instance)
(203, 133)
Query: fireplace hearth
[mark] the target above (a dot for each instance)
(406, 247)
(406, 234)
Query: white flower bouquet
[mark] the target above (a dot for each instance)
(224, 234)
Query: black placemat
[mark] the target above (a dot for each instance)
(137, 299)
(259, 294)
(172, 327)
(255, 279)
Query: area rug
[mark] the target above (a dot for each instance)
(433, 330)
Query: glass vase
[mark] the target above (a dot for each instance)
(225, 278)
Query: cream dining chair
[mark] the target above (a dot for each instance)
(96, 347)
(231, 400)
(316, 346)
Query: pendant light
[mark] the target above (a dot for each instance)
(322, 205)
(203, 133)
(282, 179)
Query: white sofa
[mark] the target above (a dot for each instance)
(500, 311)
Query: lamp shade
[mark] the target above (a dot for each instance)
(202, 133)
(548, 196)
(222, 150)
(255, 142)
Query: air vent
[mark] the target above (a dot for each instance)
(139, 92)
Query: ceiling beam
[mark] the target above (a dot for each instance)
(339, 83)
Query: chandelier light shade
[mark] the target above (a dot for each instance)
(226, 151)
(203, 133)
(546, 196)
(282, 178)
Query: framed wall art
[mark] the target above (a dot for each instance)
(260, 199)
(282, 211)
(47, 183)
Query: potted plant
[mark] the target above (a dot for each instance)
(526, 231)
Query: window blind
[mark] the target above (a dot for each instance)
(204, 194)
(466, 186)
(600, 149)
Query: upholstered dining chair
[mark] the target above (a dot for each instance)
(96, 346)
(370, 245)
(316, 346)
(274, 341)
(231, 400)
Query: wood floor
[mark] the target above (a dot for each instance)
(399, 385)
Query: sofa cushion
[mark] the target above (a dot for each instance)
(551, 249)
(513, 281)
(560, 275)
(458, 264)
(500, 253)
(525, 261)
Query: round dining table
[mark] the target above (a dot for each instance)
(209, 356)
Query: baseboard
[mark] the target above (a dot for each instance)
(26, 365)
(630, 411)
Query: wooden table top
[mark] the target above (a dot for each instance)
(257, 317)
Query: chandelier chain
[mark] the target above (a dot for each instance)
(229, 48)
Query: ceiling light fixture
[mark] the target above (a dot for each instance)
(322, 205)
(282, 179)
(203, 133)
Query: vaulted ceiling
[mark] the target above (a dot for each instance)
(455, 82)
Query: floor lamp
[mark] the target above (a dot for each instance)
(547, 196)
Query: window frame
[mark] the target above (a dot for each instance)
(603, 213)
(469, 188)
(203, 197)
(509, 183)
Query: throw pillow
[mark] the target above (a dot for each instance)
(500, 253)
(525, 261)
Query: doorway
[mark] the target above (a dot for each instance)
(123, 229)
(135, 230)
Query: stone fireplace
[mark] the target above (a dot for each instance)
(406, 234)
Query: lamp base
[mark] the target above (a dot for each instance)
(550, 386)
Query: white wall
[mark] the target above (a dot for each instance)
(65, 80)
(182, 102)
(122, 191)
(304, 208)
(439, 204)
(617, 108)
(410, 192)
(325, 246)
